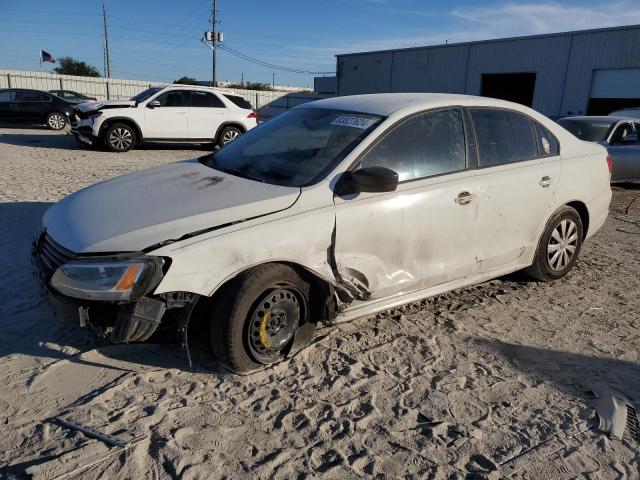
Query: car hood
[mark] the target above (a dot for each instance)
(141, 209)
(90, 105)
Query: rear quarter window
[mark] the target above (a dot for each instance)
(548, 145)
(238, 101)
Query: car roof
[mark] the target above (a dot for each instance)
(387, 103)
(201, 87)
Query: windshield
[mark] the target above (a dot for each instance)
(588, 130)
(142, 96)
(297, 148)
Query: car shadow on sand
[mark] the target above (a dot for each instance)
(30, 328)
(572, 373)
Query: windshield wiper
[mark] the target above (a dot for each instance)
(210, 161)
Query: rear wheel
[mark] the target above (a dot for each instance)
(228, 135)
(119, 137)
(256, 319)
(559, 246)
(56, 121)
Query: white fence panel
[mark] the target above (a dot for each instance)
(267, 102)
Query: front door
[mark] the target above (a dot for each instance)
(168, 121)
(624, 147)
(422, 234)
(206, 114)
(519, 169)
(32, 106)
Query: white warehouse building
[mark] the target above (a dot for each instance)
(583, 72)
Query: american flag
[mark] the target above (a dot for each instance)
(47, 57)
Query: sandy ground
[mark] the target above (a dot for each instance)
(484, 382)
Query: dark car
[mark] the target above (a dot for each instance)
(620, 135)
(33, 106)
(71, 96)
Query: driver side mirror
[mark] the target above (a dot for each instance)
(369, 179)
(154, 104)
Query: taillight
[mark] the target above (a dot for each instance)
(610, 164)
(253, 114)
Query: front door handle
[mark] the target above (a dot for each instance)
(464, 198)
(545, 182)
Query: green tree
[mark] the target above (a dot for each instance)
(186, 81)
(71, 66)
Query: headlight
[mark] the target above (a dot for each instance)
(108, 281)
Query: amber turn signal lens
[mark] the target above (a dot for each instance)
(129, 277)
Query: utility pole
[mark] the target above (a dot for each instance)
(273, 81)
(215, 39)
(107, 64)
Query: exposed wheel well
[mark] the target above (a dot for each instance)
(582, 210)
(107, 123)
(321, 292)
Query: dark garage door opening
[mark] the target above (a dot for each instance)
(514, 87)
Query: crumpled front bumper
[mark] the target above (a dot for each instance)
(118, 321)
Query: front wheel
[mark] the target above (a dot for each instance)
(119, 138)
(559, 246)
(256, 319)
(56, 121)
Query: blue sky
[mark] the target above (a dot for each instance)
(159, 40)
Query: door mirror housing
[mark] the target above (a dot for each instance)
(369, 179)
(154, 104)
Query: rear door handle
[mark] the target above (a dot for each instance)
(545, 181)
(464, 198)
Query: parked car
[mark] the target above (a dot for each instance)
(176, 113)
(73, 97)
(33, 106)
(336, 209)
(620, 137)
(627, 112)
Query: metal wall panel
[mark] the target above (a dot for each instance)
(366, 73)
(546, 57)
(595, 51)
(440, 69)
(563, 63)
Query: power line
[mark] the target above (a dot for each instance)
(269, 65)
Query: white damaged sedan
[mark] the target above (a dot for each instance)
(337, 209)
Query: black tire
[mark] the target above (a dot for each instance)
(228, 135)
(544, 267)
(240, 340)
(119, 137)
(56, 121)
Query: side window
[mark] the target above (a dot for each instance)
(503, 136)
(205, 99)
(620, 132)
(548, 145)
(174, 98)
(430, 143)
(238, 101)
(7, 96)
(30, 96)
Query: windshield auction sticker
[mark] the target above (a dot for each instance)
(355, 122)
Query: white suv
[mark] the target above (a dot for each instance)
(176, 113)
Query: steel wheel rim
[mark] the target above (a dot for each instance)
(273, 323)
(562, 245)
(120, 138)
(229, 136)
(56, 121)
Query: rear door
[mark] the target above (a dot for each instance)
(518, 170)
(207, 113)
(168, 121)
(421, 234)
